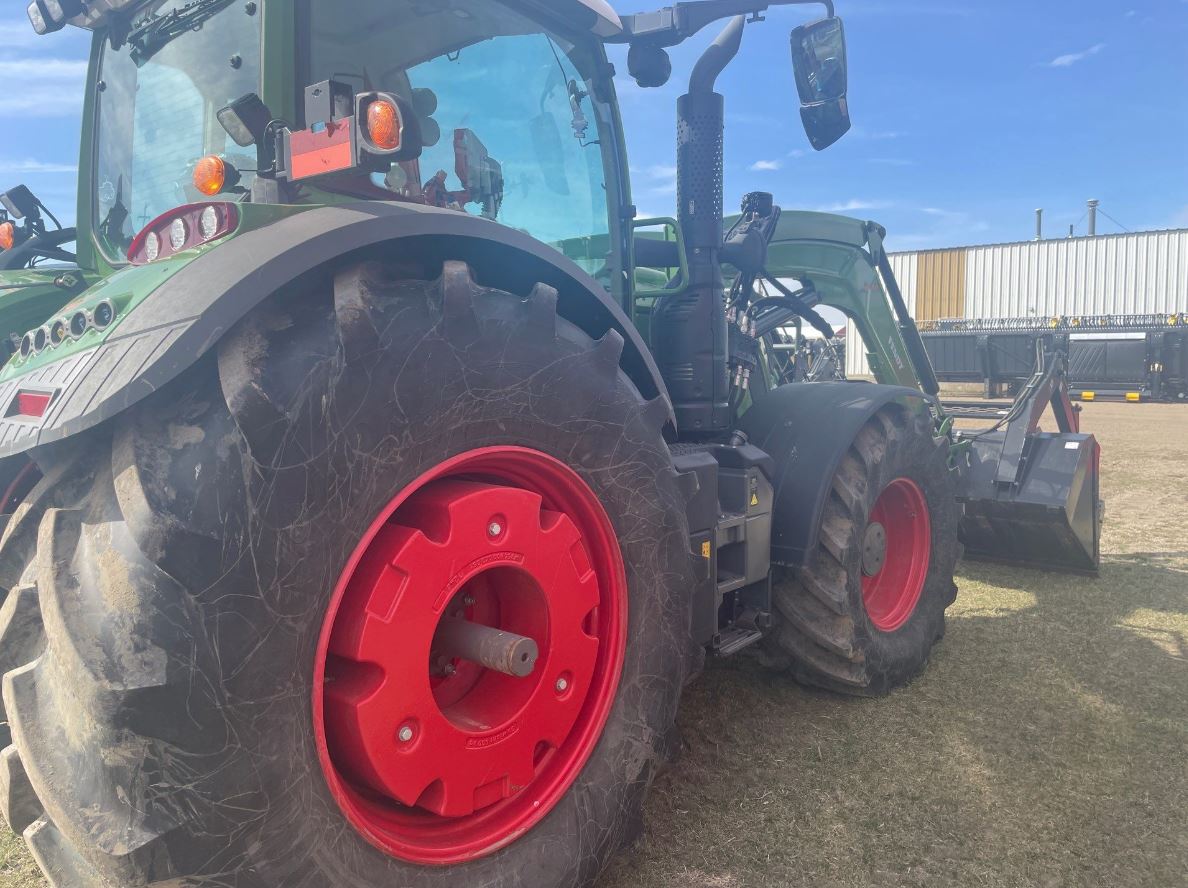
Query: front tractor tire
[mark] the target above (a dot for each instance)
(862, 616)
(391, 591)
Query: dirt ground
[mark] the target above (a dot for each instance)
(1046, 745)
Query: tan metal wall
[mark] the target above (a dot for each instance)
(940, 288)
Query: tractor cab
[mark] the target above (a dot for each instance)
(490, 111)
(512, 115)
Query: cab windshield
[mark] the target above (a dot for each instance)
(157, 106)
(509, 109)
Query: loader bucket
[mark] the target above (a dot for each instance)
(1038, 509)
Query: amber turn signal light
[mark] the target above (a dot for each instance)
(7, 235)
(384, 125)
(210, 175)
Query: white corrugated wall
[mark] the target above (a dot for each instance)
(1144, 273)
(905, 266)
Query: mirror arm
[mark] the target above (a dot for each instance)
(675, 24)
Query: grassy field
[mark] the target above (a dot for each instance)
(1046, 745)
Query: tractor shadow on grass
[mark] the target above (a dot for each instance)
(1044, 745)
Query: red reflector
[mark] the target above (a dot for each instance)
(327, 151)
(33, 403)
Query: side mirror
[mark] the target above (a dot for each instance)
(822, 79)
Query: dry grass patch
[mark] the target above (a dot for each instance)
(1045, 746)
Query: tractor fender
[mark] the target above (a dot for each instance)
(191, 312)
(807, 429)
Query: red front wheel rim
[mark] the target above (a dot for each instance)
(440, 751)
(896, 560)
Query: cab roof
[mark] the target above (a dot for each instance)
(596, 15)
(609, 24)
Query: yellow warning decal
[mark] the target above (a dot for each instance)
(705, 549)
(754, 499)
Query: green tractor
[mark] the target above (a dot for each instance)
(395, 478)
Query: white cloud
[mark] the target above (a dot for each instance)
(796, 153)
(947, 228)
(766, 166)
(15, 70)
(852, 206)
(34, 166)
(1067, 61)
(663, 179)
(50, 87)
(16, 33)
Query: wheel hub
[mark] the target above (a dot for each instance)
(896, 554)
(472, 656)
(874, 549)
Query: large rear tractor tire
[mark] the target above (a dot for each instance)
(392, 593)
(863, 615)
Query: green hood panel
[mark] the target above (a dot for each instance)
(29, 297)
(127, 288)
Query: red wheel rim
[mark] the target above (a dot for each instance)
(433, 757)
(891, 585)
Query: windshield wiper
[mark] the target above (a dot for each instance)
(150, 35)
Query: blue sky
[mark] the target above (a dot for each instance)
(967, 117)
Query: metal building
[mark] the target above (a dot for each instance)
(1141, 273)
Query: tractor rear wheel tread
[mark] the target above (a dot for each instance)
(824, 633)
(159, 632)
(18, 801)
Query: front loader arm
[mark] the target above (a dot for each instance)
(838, 255)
